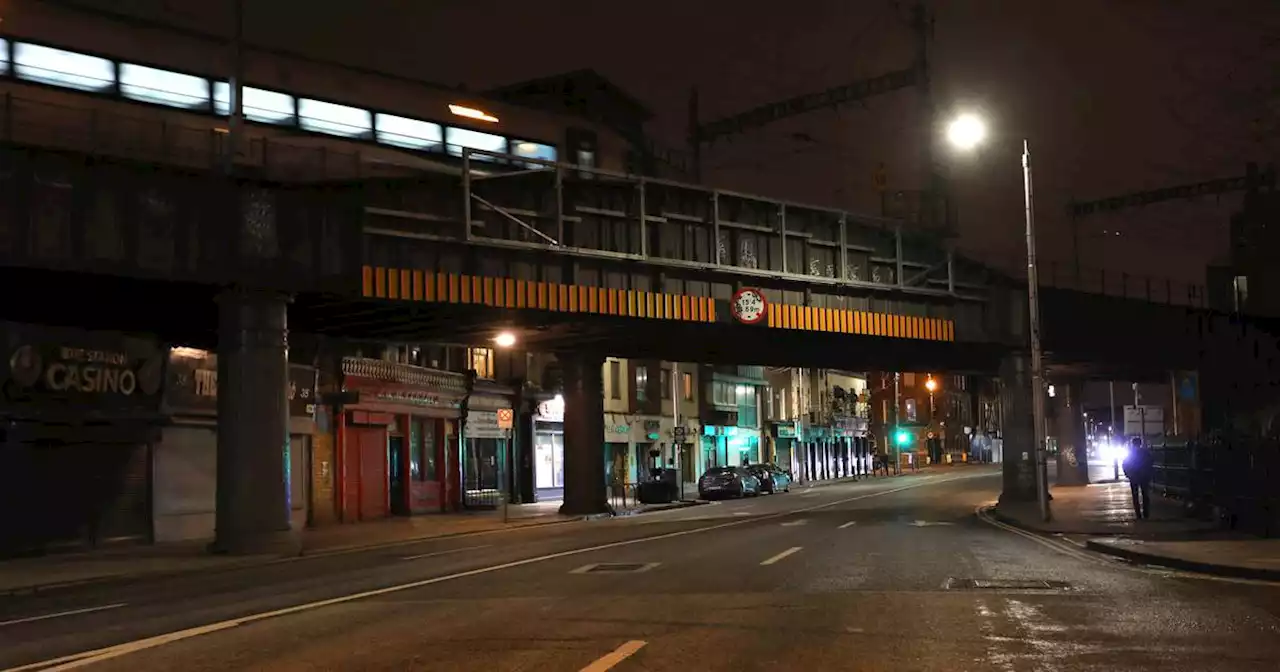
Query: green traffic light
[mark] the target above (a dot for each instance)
(903, 437)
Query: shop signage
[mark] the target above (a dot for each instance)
(484, 425)
(193, 384)
(551, 410)
(416, 398)
(787, 431)
(620, 429)
(749, 305)
(89, 368)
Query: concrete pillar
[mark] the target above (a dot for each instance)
(1072, 434)
(253, 424)
(584, 468)
(1018, 431)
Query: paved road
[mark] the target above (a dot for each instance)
(862, 576)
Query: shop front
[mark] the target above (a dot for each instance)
(729, 446)
(785, 439)
(487, 446)
(397, 440)
(184, 461)
(80, 415)
(548, 449)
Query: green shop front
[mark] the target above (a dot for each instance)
(729, 446)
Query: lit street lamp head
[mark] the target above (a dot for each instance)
(505, 339)
(966, 132)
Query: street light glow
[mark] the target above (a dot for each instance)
(966, 131)
(931, 385)
(505, 340)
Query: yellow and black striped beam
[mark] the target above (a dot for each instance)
(839, 321)
(410, 285)
(416, 285)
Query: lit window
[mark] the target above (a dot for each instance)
(642, 382)
(409, 133)
(268, 107)
(615, 379)
(63, 68)
(664, 382)
(482, 362)
(458, 138)
(533, 150)
(163, 87)
(688, 386)
(322, 117)
(4, 56)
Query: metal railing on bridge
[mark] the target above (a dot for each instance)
(1121, 284)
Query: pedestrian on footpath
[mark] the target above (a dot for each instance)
(1138, 465)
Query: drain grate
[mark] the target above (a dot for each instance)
(615, 568)
(1006, 584)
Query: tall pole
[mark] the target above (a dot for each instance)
(1115, 464)
(235, 121)
(932, 201)
(1037, 366)
(675, 423)
(897, 409)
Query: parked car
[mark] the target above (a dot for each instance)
(772, 478)
(728, 482)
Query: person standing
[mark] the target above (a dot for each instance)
(1138, 465)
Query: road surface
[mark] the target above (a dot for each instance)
(892, 574)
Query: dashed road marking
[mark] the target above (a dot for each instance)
(448, 552)
(611, 659)
(60, 614)
(848, 524)
(780, 556)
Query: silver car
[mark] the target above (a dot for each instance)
(728, 482)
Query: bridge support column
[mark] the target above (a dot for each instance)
(1072, 434)
(252, 513)
(1018, 430)
(584, 468)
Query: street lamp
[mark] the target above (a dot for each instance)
(505, 339)
(966, 132)
(931, 385)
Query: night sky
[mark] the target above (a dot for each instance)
(1114, 95)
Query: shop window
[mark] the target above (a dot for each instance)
(664, 381)
(687, 386)
(456, 139)
(334, 119)
(642, 382)
(422, 464)
(4, 56)
(533, 150)
(409, 133)
(482, 361)
(262, 105)
(615, 379)
(47, 65)
(163, 87)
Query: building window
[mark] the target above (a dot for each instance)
(533, 150)
(615, 379)
(409, 133)
(268, 107)
(642, 382)
(1240, 285)
(47, 65)
(664, 378)
(482, 361)
(458, 138)
(910, 409)
(909, 379)
(422, 439)
(4, 56)
(162, 87)
(687, 386)
(334, 119)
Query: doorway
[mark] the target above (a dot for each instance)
(396, 459)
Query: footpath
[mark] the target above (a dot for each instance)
(128, 562)
(1102, 515)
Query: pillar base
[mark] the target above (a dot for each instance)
(284, 542)
(579, 509)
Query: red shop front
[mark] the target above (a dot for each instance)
(397, 441)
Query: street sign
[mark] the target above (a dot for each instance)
(749, 305)
(1143, 420)
(680, 432)
(506, 418)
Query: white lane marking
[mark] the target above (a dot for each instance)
(438, 553)
(793, 523)
(609, 660)
(848, 524)
(83, 658)
(60, 614)
(925, 523)
(780, 556)
(741, 513)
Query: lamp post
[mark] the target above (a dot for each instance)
(966, 132)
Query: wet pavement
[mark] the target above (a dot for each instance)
(897, 574)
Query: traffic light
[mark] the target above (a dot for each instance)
(902, 437)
